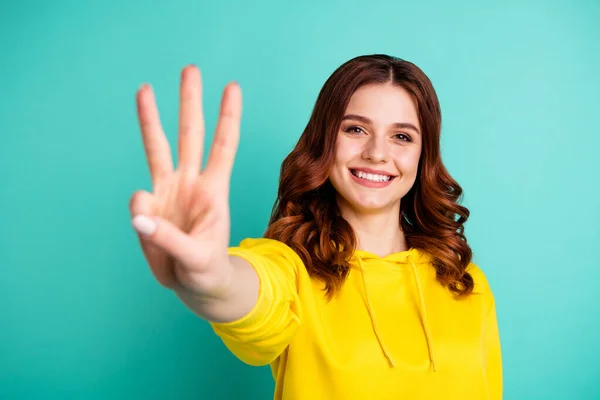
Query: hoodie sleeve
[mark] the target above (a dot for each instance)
(262, 335)
(493, 356)
(491, 339)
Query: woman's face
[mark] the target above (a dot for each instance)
(377, 150)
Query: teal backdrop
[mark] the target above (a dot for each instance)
(81, 316)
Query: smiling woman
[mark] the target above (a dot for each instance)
(362, 286)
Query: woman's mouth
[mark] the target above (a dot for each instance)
(370, 179)
(370, 176)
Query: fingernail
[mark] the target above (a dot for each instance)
(144, 225)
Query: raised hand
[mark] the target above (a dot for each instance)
(184, 224)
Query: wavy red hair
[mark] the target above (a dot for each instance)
(305, 215)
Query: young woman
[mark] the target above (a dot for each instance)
(362, 286)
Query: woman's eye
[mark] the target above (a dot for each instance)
(353, 129)
(403, 137)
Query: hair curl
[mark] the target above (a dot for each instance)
(305, 215)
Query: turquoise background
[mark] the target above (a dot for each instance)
(80, 313)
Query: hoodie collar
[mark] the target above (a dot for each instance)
(401, 257)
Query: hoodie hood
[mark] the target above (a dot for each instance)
(413, 258)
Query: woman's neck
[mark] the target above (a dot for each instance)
(377, 233)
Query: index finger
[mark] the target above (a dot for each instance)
(156, 145)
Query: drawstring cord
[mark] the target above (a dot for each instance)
(373, 319)
(424, 315)
(422, 309)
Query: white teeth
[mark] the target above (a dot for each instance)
(373, 177)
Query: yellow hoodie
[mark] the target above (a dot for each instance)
(393, 332)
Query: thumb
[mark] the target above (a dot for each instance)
(167, 237)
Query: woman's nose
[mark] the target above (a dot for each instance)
(376, 150)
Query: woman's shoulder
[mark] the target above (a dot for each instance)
(261, 246)
(480, 280)
(482, 286)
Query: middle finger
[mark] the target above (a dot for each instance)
(191, 120)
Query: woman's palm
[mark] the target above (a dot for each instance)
(190, 207)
